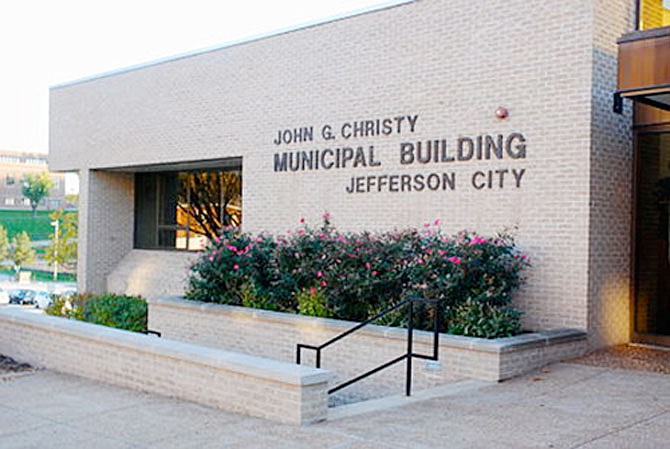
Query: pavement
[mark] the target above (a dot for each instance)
(565, 405)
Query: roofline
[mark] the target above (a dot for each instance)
(23, 153)
(311, 24)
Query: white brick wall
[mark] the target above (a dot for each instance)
(229, 381)
(452, 62)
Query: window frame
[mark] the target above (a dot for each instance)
(158, 225)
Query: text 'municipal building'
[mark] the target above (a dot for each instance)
(547, 117)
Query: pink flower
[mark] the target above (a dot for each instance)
(326, 216)
(211, 259)
(477, 240)
(436, 222)
(312, 291)
(319, 274)
(323, 283)
(367, 265)
(232, 248)
(302, 220)
(259, 239)
(374, 273)
(454, 259)
(236, 267)
(426, 225)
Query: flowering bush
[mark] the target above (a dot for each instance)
(354, 276)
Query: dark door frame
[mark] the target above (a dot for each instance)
(637, 337)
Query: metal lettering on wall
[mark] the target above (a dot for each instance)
(410, 153)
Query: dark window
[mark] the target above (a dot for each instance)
(9, 180)
(185, 209)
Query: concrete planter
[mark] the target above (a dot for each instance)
(275, 335)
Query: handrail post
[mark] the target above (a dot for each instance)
(410, 332)
(318, 357)
(436, 330)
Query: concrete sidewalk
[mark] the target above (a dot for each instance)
(562, 406)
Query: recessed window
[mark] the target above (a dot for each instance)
(654, 14)
(184, 210)
(10, 180)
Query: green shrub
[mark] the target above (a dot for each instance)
(57, 307)
(123, 312)
(69, 306)
(250, 297)
(313, 302)
(357, 275)
(478, 319)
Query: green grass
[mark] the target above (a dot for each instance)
(37, 226)
(44, 276)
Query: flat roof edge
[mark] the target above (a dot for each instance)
(303, 26)
(638, 35)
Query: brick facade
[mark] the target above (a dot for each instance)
(452, 64)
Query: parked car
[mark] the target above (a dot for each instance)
(4, 296)
(21, 296)
(38, 298)
(42, 299)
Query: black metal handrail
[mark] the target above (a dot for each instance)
(409, 354)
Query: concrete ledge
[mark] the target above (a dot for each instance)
(231, 381)
(275, 334)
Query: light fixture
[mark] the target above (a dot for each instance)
(502, 113)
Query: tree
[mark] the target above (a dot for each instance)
(212, 200)
(21, 251)
(4, 244)
(63, 247)
(36, 186)
(71, 200)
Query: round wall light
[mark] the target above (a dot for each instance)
(502, 113)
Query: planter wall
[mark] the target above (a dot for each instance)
(275, 335)
(227, 380)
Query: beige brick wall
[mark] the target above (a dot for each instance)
(275, 335)
(229, 381)
(105, 225)
(150, 273)
(611, 170)
(452, 63)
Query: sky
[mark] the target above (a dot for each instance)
(45, 43)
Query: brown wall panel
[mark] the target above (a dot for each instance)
(644, 62)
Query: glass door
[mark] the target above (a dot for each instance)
(652, 235)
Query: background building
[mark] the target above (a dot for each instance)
(484, 114)
(13, 167)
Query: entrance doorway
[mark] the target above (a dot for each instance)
(652, 237)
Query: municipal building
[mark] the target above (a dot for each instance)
(547, 118)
